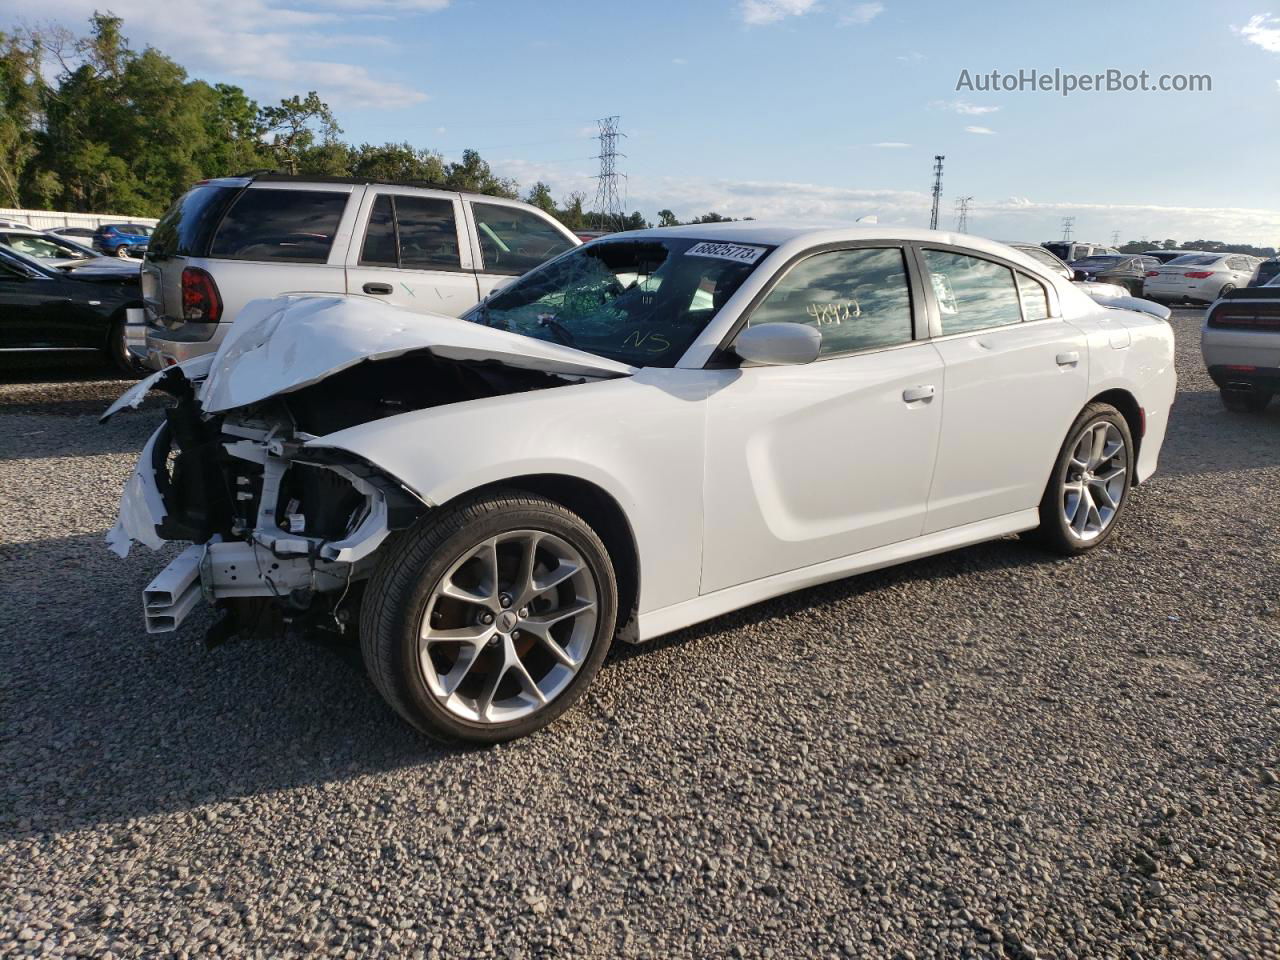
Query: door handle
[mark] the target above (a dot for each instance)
(1068, 359)
(915, 394)
(379, 289)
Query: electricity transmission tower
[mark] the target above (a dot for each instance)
(962, 214)
(608, 203)
(937, 190)
(1066, 227)
(1115, 238)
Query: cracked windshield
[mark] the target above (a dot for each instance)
(641, 302)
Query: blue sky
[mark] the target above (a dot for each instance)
(809, 109)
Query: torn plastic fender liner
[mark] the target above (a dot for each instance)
(142, 507)
(194, 369)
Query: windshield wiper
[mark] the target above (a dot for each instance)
(555, 326)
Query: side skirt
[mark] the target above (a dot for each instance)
(655, 623)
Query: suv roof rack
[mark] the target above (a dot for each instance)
(271, 176)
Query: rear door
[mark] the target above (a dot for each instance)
(411, 249)
(1016, 378)
(510, 238)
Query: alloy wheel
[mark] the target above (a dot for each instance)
(508, 626)
(1096, 480)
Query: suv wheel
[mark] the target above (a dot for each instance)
(1245, 401)
(122, 251)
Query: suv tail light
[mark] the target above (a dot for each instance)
(1198, 274)
(200, 298)
(1153, 273)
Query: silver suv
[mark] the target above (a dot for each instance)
(235, 239)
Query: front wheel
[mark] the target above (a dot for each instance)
(489, 617)
(1088, 489)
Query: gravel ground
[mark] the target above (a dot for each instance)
(989, 753)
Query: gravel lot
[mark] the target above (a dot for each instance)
(989, 753)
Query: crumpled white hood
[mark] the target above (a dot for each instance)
(289, 342)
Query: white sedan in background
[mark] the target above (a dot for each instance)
(1200, 277)
(645, 432)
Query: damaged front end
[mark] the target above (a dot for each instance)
(280, 526)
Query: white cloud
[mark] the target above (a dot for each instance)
(758, 12)
(1262, 30)
(891, 144)
(984, 131)
(259, 45)
(963, 107)
(915, 56)
(1013, 218)
(679, 61)
(861, 13)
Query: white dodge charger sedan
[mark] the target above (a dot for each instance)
(647, 431)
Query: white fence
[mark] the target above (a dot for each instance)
(43, 219)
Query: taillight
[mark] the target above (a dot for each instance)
(1153, 273)
(200, 298)
(1198, 274)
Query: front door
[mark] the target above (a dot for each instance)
(820, 461)
(511, 240)
(412, 252)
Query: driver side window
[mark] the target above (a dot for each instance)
(858, 299)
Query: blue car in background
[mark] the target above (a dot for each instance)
(122, 239)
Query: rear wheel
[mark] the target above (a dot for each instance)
(1226, 288)
(122, 251)
(1245, 401)
(489, 618)
(1088, 489)
(117, 351)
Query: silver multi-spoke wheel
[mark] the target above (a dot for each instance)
(508, 626)
(1096, 480)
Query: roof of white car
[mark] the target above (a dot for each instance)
(776, 233)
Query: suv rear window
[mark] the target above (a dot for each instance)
(293, 225)
(185, 228)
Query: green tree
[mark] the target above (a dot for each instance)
(304, 135)
(472, 174)
(667, 219)
(396, 161)
(571, 212)
(21, 93)
(539, 195)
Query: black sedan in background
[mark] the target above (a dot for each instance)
(1127, 271)
(47, 309)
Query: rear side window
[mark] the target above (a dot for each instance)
(415, 232)
(972, 294)
(280, 225)
(515, 241)
(858, 299)
(1193, 260)
(187, 226)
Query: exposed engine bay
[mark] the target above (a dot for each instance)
(281, 527)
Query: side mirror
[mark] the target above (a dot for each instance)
(776, 344)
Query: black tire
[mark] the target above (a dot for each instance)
(1054, 532)
(1226, 288)
(121, 251)
(117, 351)
(406, 576)
(1245, 401)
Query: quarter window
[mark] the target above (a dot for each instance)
(972, 294)
(292, 225)
(1035, 298)
(858, 299)
(515, 241)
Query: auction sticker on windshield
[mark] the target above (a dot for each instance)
(726, 251)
